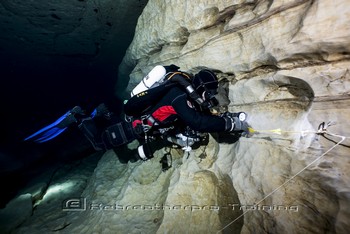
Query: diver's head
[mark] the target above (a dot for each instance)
(206, 85)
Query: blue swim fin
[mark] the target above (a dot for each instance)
(50, 134)
(94, 113)
(56, 128)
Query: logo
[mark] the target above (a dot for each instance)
(74, 204)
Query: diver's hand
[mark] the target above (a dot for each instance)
(242, 116)
(236, 123)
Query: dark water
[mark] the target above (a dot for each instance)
(36, 90)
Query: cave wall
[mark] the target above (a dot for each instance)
(287, 63)
(80, 28)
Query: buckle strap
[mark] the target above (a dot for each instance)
(145, 125)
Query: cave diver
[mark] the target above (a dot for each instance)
(175, 110)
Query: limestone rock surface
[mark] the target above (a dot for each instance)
(287, 63)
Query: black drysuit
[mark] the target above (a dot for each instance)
(173, 109)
